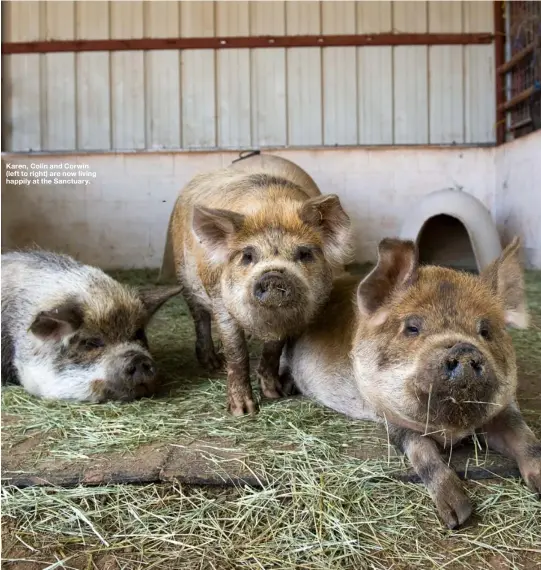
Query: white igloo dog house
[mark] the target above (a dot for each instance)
(452, 229)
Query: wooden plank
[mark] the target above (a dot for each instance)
(127, 74)
(197, 19)
(374, 17)
(479, 76)
(410, 95)
(446, 90)
(162, 78)
(304, 97)
(303, 18)
(22, 21)
(304, 103)
(478, 17)
(198, 78)
(198, 99)
(410, 17)
(92, 76)
(339, 71)
(410, 87)
(480, 104)
(375, 80)
(375, 76)
(268, 76)
(21, 81)
(446, 76)
(59, 120)
(215, 461)
(233, 77)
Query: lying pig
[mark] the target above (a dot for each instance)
(425, 350)
(71, 332)
(255, 245)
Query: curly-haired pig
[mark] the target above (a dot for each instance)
(71, 332)
(255, 246)
(425, 350)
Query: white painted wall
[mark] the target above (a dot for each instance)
(518, 193)
(120, 218)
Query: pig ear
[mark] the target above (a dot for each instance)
(58, 322)
(213, 227)
(396, 269)
(154, 297)
(325, 213)
(505, 277)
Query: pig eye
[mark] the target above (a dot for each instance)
(93, 343)
(248, 256)
(484, 330)
(412, 326)
(304, 255)
(140, 334)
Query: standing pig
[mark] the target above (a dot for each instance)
(255, 245)
(425, 350)
(71, 332)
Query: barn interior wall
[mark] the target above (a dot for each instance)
(241, 98)
(120, 218)
(518, 194)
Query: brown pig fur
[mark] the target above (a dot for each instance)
(260, 217)
(425, 350)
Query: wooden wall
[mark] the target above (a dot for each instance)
(245, 98)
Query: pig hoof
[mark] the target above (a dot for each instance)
(270, 387)
(211, 360)
(288, 384)
(453, 505)
(240, 406)
(276, 387)
(532, 476)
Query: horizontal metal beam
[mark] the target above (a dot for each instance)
(244, 42)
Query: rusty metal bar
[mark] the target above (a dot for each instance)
(499, 55)
(517, 58)
(522, 96)
(244, 42)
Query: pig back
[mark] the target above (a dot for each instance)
(278, 166)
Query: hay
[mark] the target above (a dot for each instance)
(323, 509)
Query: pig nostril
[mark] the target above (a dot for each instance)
(451, 365)
(131, 369)
(477, 367)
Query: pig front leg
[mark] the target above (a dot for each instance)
(240, 398)
(509, 434)
(443, 483)
(272, 384)
(268, 372)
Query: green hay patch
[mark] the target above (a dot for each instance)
(325, 508)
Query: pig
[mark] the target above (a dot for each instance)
(255, 246)
(71, 332)
(425, 350)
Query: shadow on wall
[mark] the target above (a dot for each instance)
(443, 240)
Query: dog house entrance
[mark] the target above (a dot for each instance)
(443, 240)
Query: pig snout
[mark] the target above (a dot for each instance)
(274, 288)
(139, 368)
(464, 360)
